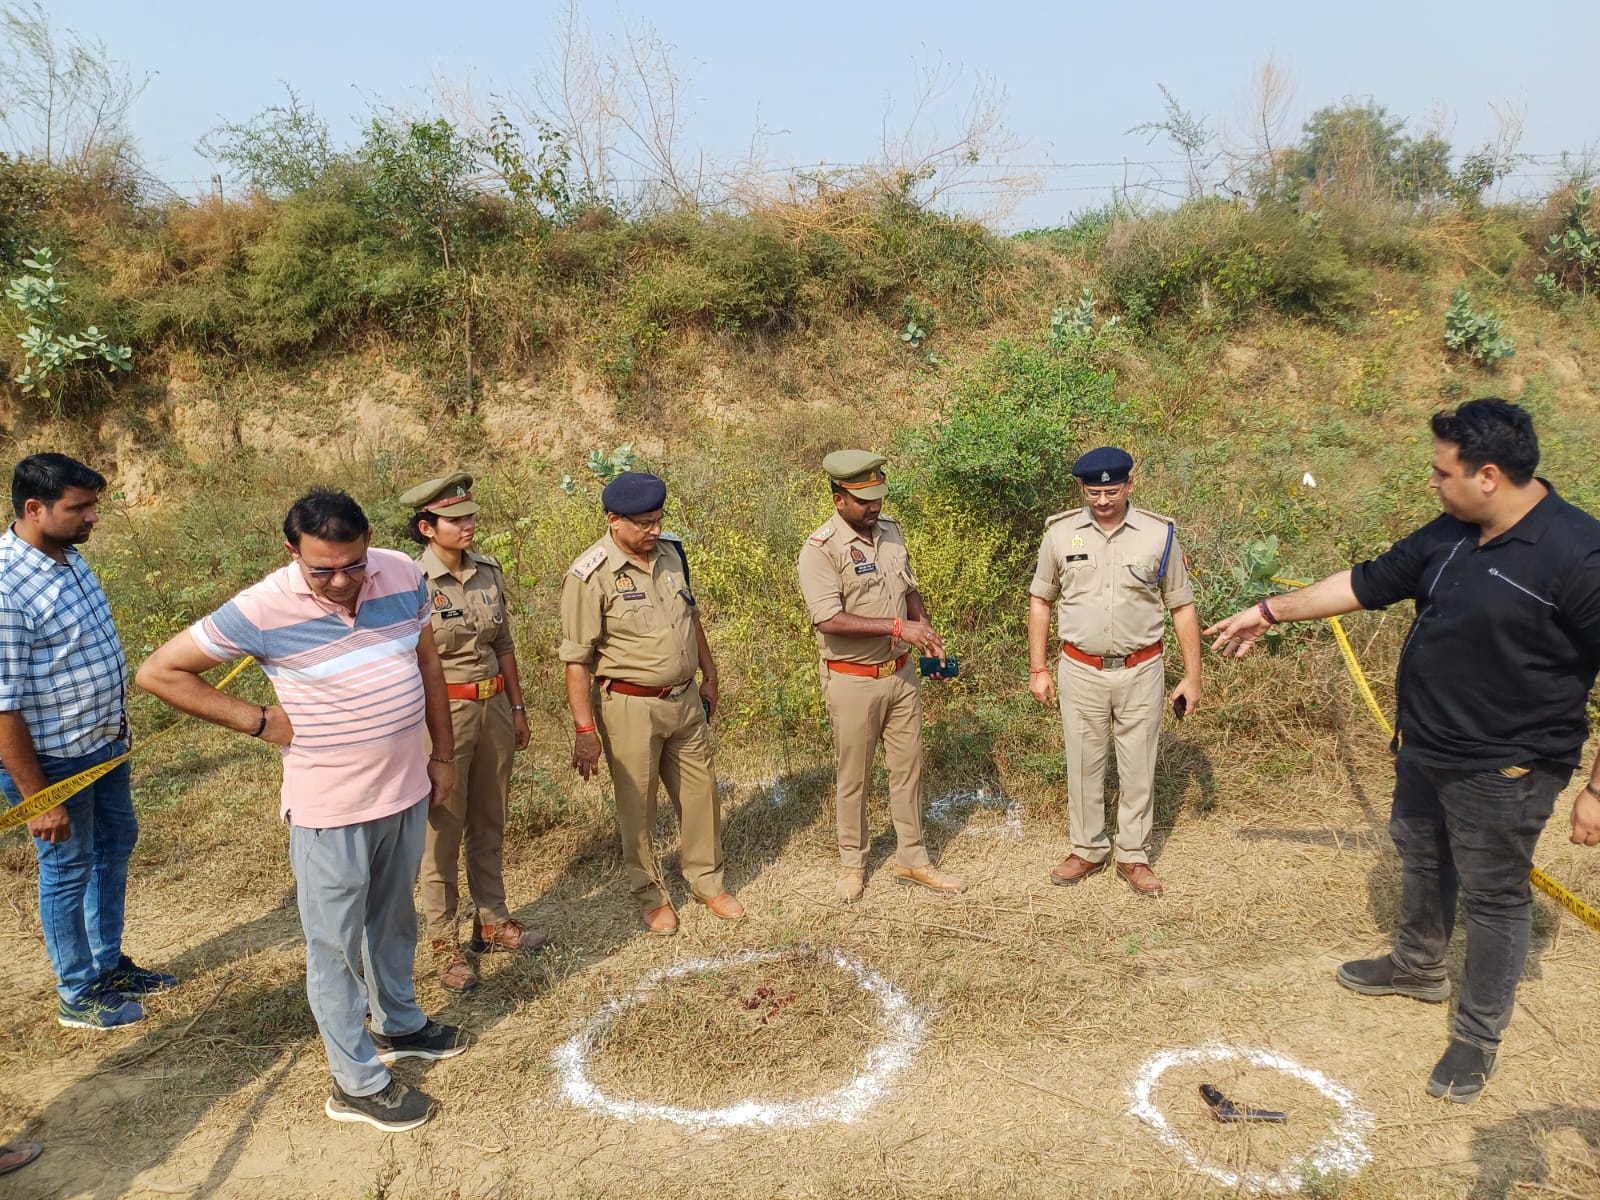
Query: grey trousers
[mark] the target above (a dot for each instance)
(354, 885)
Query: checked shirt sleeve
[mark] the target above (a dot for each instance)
(16, 642)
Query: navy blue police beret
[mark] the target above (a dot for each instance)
(1104, 466)
(634, 492)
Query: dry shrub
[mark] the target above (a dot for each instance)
(781, 1030)
(211, 236)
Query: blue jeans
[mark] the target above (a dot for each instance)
(1470, 835)
(83, 881)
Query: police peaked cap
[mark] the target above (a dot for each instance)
(1102, 467)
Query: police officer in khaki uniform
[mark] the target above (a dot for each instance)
(473, 634)
(858, 585)
(631, 638)
(1112, 571)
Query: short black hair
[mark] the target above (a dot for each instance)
(1491, 430)
(324, 513)
(45, 477)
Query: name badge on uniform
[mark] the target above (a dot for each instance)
(450, 612)
(1076, 558)
(867, 569)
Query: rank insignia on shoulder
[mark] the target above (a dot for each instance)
(1054, 517)
(589, 563)
(821, 535)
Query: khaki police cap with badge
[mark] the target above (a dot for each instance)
(859, 472)
(450, 496)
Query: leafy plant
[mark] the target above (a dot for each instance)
(1572, 253)
(1076, 327)
(420, 181)
(604, 467)
(1478, 335)
(50, 357)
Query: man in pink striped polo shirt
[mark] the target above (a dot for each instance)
(338, 633)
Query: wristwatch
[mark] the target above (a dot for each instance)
(1592, 790)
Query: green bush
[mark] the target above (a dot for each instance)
(1479, 336)
(321, 267)
(1006, 440)
(1217, 262)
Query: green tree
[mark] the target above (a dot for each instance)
(1357, 150)
(420, 182)
(283, 149)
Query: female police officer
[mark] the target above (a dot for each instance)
(480, 668)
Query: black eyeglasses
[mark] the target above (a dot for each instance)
(322, 574)
(654, 523)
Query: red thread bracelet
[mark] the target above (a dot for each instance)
(583, 729)
(898, 625)
(1267, 612)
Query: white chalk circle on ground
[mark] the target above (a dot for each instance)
(953, 806)
(901, 1026)
(1344, 1150)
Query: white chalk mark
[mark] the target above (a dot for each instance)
(1344, 1150)
(900, 1023)
(952, 806)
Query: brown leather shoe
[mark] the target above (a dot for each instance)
(852, 884)
(456, 972)
(1074, 868)
(1140, 878)
(724, 906)
(931, 877)
(661, 920)
(506, 935)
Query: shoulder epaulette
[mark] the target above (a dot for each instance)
(1054, 517)
(1154, 515)
(886, 519)
(488, 560)
(821, 536)
(589, 562)
(668, 536)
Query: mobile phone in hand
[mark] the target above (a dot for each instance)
(933, 668)
(1180, 707)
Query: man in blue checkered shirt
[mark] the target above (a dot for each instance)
(63, 688)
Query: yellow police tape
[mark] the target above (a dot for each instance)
(57, 793)
(1540, 880)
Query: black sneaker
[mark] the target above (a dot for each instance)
(433, 1040)
(1381, 977)
(1462, 1072)
(131, 979)
(396, 1108)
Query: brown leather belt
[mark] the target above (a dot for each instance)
(623, 688)
(869, 670)
(480, 689)
(1111, 662)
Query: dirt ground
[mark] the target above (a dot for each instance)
(1037, 1006)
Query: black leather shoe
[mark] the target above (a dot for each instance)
(1380, 977)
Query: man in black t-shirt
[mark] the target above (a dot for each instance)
(1490, 720)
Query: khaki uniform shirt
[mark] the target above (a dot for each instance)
(1109, 599)
(469, 616)
(627, 622)
(845, 571)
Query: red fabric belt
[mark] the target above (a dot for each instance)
(481, 689)
(1111, 662)
(870, 671)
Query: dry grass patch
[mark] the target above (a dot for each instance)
(778, 1030)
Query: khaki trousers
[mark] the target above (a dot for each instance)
(1097, 706)
(864, 712)
(485, 741)
(650, 742)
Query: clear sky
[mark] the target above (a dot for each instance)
(817, 75)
